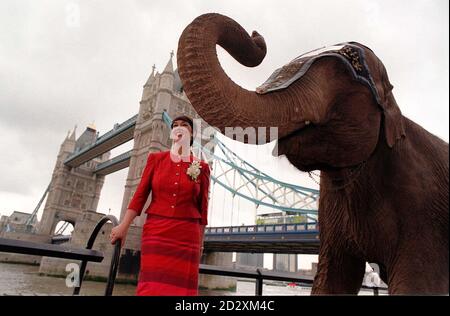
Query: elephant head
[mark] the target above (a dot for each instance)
(326, 118)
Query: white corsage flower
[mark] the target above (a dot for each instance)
(194, 170)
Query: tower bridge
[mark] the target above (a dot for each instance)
(83, 163)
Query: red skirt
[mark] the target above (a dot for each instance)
(170, 257)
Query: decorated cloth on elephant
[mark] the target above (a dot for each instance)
(351, 53)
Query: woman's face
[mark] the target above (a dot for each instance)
(181, 123)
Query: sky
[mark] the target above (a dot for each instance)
(76, 62)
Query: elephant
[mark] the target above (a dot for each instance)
(383, 178)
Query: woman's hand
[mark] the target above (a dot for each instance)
(119, 232)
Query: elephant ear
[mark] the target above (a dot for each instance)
(394, 125)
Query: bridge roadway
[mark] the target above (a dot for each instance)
(120, 134)
(302, 238)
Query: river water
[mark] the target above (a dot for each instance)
(19, 279)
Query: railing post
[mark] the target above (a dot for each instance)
(114, 260)
(259, 283)
(113, 268)
(375, 291)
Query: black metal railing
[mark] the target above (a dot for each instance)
(60, 251)
(259, 275)
(89, 255)
(266, 228)
(114, 259)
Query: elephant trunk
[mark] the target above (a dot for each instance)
(216, 98)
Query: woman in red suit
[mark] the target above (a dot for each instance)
(172, 236)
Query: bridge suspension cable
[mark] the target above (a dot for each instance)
(36, 209)
(62, 228)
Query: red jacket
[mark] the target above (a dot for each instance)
(174, 193)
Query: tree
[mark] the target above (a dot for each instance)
(260, 221)
(299, 219)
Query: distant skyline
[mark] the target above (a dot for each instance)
(65, 63)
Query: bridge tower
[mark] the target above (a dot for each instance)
(72, 191)
(161, 92)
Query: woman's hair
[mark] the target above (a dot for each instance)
(188, 120)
